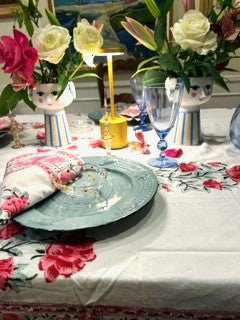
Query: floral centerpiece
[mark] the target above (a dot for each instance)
(197, 49)
(199, 45)
(46, 55)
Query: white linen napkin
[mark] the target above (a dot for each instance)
(30, 178)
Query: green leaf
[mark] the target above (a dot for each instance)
(26, 99)
(87, 74)
(146, 61)
(9, 99)
(62, 83)
(52, 18)
(170, 62)
(160, 36)
(167, 5)
(28, 24)
(153, 77)
(153, 8)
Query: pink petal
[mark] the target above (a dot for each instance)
(173, 153)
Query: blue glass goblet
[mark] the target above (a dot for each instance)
(162, 104)
(137, 91)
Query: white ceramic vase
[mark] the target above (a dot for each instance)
(57, 133)
(188, 125)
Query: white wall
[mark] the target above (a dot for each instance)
(87, 94)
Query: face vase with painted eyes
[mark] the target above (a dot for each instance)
(45, 96)
(199, 93)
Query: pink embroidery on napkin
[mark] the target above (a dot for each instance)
(131, 112)
(5, 122)
(51, 162)
(15, 204)
(40, 135)
(38, 125)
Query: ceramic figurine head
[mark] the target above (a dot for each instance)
(45, 96)
(199, 93)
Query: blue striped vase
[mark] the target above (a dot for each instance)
(187, 128)
(45, 97)
(57, 133)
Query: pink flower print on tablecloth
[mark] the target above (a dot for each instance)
(10, 230)
(187, 167)
(12, 316)
(212, 183)
(215, 164)
(234, 173)
(66, 258)
(15, 204)
(6, 270)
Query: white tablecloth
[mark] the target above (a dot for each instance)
(184, 253)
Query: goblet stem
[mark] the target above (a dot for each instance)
(162, 146)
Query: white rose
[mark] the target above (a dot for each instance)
(192, 32)
(87, 39)
(51, 43)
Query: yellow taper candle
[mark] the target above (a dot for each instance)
(111, 84)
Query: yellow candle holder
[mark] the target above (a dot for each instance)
(117, 124)
(118, 131)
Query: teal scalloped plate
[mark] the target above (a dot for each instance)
(127, 188)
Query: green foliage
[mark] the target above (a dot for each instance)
(174, 61)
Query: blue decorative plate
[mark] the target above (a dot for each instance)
(127, 188)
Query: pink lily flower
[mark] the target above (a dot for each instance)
(188, 5)
(139, 32)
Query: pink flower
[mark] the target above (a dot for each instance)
(173, 153)
(10, 230)
(14, 205)
(166, 188)
(234, 173)
(38, 125)
(12, 316)
(96, 144)
(187, 167)
(6, 269)
(211, 183)
(17, 56)
(40, 135)
(66, 258)
(66, 176)
(73, 147)
(188, 5)
(215, 164)
(43, 149)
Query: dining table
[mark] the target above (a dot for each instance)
(174, 256)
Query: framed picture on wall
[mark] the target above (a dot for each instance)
(110, 13)
(6, 7)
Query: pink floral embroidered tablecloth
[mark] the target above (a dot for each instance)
(177, 257)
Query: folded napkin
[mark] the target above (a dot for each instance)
(30, 178)
(131, 112)
(5, 123)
